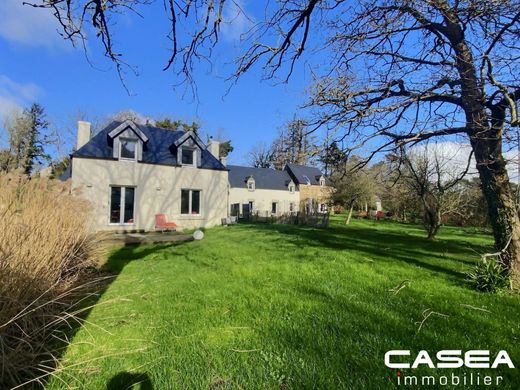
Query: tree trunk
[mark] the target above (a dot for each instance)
(500, 201)
(432, 221)
(347, 222)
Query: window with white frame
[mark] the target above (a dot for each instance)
(190, 202)
(122, 205)
(274, 207)
(251, 184)
(127, 149)
(188, 156)
(322, 182)
(292, 188)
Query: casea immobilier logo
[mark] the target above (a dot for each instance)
(402, 359)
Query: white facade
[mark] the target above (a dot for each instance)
(262, 201)
(157, 191)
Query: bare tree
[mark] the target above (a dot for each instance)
(400, 71)
(261, 156)
(435, 180)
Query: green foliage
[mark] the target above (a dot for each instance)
(332, 158)
(58, 167)
(225, 148)
(168, 123)
(26, 140)
(489, 276)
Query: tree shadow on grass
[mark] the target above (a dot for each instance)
(440, 256)
(131, 381)
(96, 284)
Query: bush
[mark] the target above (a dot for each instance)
(44, 246)
(489, 276)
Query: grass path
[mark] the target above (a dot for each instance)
(284, 307)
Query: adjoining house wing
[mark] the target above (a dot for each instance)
(302, 174)
(265, 178)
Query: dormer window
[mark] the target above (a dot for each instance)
(251, 184)
(127, 149)
(292, 188)
(322, 182)
(188, 156)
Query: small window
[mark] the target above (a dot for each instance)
(291, 207)
(274, 207)
(127, 148)
(322, 182)
(188, 156)
(122, 205)
(190, 202)
(251, 206)
(251, 184)
(307, 180)
(291, 188)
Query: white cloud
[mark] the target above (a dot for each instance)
(26, 25)
(235, 21)
(453, 157)
(15, 95)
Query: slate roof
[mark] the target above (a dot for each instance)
(158, 149)
(298, 172)
(265, 178)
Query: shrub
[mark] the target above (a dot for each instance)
(44, 246)
(489, 276)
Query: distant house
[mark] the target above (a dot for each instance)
(263, 191)
(131, 172)
(312, 185)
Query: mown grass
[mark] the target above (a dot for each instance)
(279, 307)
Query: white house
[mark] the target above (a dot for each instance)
(132, 172)
(263, 191)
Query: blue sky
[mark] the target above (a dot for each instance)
(37, 65)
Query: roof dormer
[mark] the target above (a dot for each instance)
(250, 182)
(128, 141)
(188, 149)
(291, 187)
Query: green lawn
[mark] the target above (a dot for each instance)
(284, 307)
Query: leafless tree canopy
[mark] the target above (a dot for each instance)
(387, 72)
(395, 68)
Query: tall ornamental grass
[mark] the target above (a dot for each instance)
(45, 247)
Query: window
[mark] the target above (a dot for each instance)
(190, 202)
(291, 188)
(122, 204)
(235, 209)
(322, 182)
(307, 180)
(251, 184)
(251, 206)
(127, 148)
(274, 207)
(323, 208)
(188, 156)
(291, 207)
